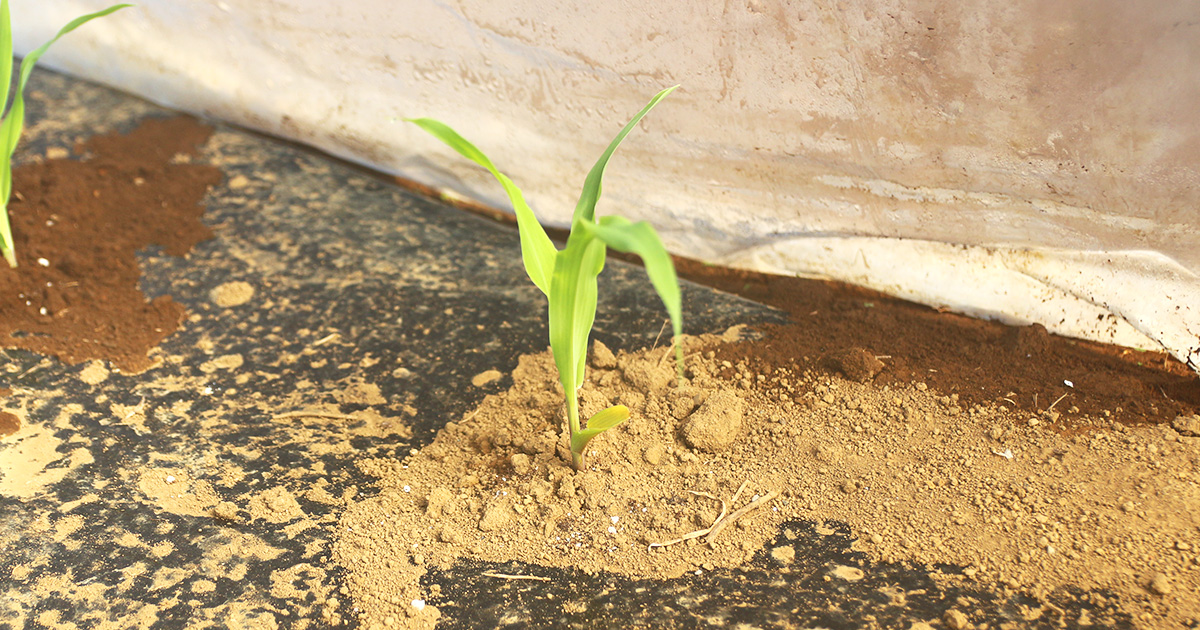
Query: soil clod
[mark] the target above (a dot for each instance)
(856, 364)
(717, 424)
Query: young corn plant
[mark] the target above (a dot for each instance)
(568, 277)
(14, 121)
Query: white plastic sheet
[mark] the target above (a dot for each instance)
(1030, 161)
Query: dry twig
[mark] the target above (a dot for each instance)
(508, 576)
(660, 332)
(315, 414)
(699, 532)
(761, 501)
(723, 519)
(326, 339)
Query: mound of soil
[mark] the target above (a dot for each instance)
(1005, 495)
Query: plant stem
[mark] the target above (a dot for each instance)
(6, 232)
(573, 425)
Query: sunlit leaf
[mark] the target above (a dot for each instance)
(586, 208)
(537, 250)
(598, 424)
(640, 238)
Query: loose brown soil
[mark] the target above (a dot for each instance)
(981, 361)
(919, 476)
(940, 439)
(78, 223)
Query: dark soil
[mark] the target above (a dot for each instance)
(78, 223)
(980, 361)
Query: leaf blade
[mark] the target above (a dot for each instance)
(590, 195)
(32, 58)
(641, 239)
(597, 424)
(537, 250)
(573, 300)
(6, 53)
(14, 121)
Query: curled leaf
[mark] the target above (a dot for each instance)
(598, 424)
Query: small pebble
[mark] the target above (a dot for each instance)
(955, 620)
(485, 377)
(1160, 584)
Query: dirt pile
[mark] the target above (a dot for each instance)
(918, 476)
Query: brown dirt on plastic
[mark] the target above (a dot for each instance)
(78, 224)
(1020, 503)
(981, 361)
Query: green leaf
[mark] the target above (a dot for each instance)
(6, 52)
(608, 418)
(10, 133)
(6, 55)
(537, 250)
(640, 238)
(14, 122)
(586, 208)
(568, 277)
(573, 297)
(32, 58)
(598, 424)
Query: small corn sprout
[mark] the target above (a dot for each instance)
(568, 276)
(14, 122)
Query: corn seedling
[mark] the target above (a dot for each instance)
(568, 277)
(14, 122)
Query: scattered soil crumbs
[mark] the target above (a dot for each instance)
(77, 225)
(39, 456)
(919, 476)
